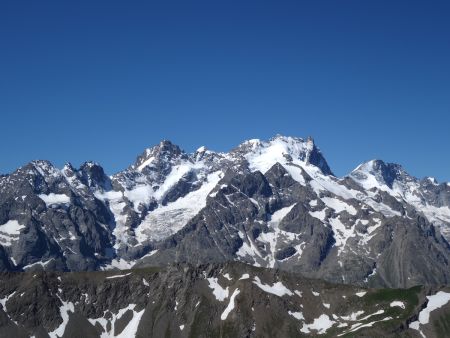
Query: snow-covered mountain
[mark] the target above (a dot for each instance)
(272, 203)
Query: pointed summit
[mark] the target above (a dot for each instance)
(164, 151)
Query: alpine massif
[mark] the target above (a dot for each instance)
(269, 204)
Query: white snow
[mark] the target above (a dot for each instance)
(120, 264)
(434, 302)
(181, 327)
(366, 176)
(338, 205)
(218, 291)
(230, 306)
(141, 194)
(321, 325)
(9, 232)
(277, 289)
(371, 231)
(130, 329)
(272, 237)
(249, 249)
(245, 276)
(361, 294)
(316, 294)
(398, 303)
(174, 177)
(379, 312)
(357, 326)
(297, 315)
(264, 155)
(313, 203)
(118, 276)
(11, 227)
(145, 163)
(117, 206)
(227, 276)
(52, 199)
(353, 316)
(64, 311)
(5, 299)
(43, 264)
(320, 214)
(168, 219)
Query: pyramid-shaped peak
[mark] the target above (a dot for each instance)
(375, 173)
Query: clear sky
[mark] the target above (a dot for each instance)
(102, 80)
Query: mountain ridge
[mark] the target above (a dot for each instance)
(205, 206)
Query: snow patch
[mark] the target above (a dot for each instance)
(230, 305)
(118, 276)
(338, 205)
(9, 232)
(64, 312)
(277, 289)
(52, 199)
(218, 291)
(245, 276)
(398, 303)
(321, 325)
(434, 302)
(297, 315)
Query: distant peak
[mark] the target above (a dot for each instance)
(253, 143)
(89, 164)
(41, 164)
(383, 172)
(432, 180)
(68, 166)
(44, 167)
(164, 151)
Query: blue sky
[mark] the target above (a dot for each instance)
(102, 80)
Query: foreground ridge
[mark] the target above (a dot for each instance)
(228, 300)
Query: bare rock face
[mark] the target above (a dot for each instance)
(272, 204)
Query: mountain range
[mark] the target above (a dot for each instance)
(270, 204)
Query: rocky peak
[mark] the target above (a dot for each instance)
(378, 172)
(93, 175)
(68, 169)
(165, 151)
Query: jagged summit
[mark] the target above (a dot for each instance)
(164, 151)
